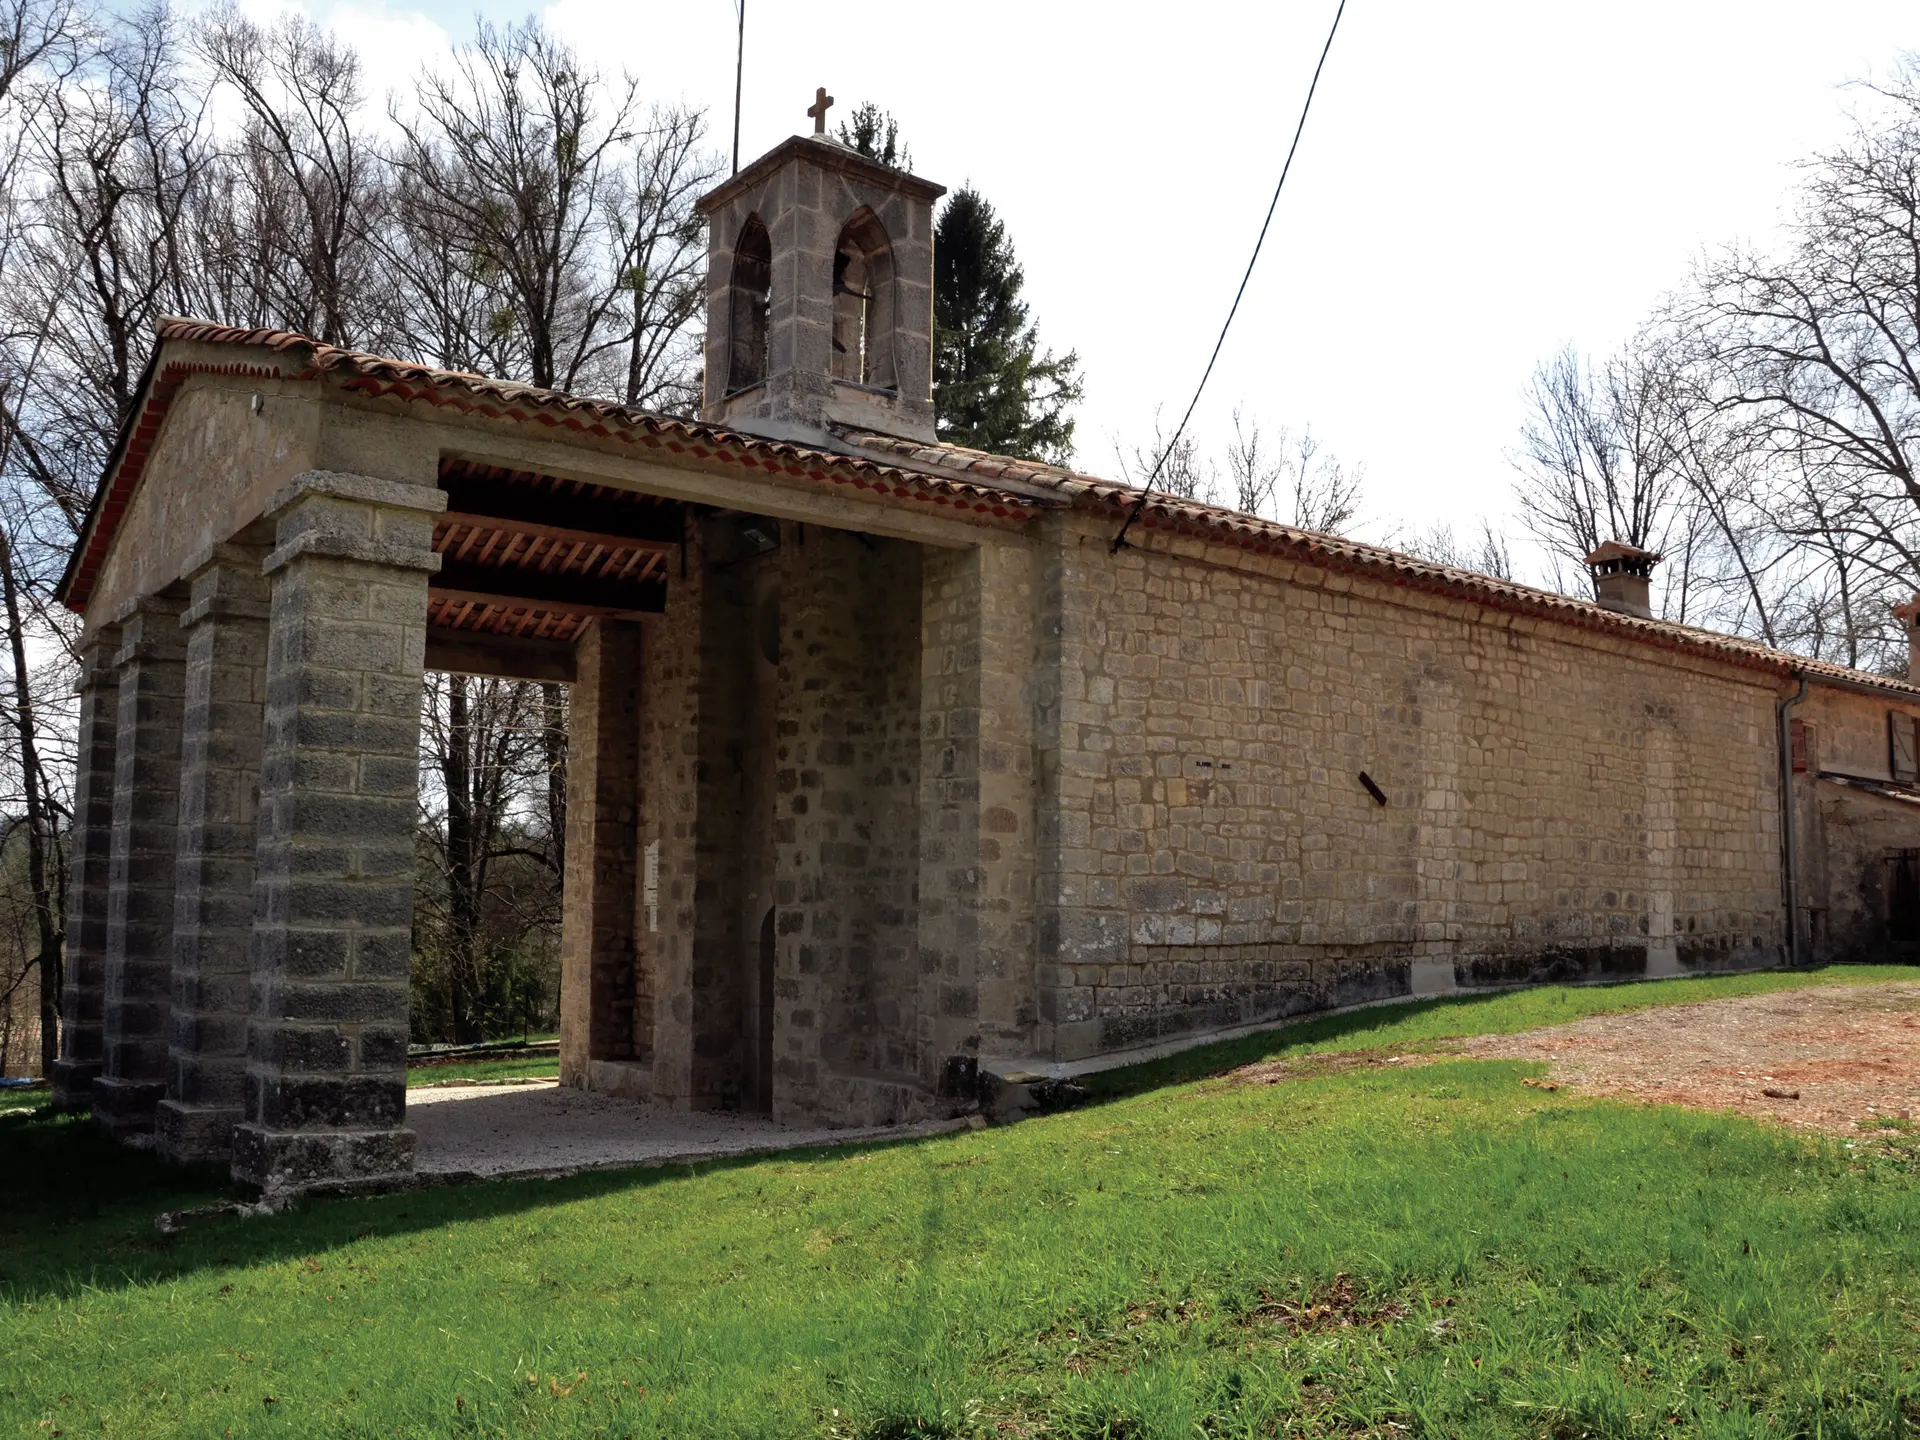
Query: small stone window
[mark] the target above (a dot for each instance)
(863, 304)
(1903, 751)
(749, 290)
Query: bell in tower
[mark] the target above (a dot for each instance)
(820, 293)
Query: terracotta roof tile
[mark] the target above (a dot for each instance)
(971, 481)
(379, 375)
(1234, 527)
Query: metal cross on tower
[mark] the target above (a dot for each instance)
(818, 110)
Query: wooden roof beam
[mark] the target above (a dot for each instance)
(558, 533)
(562, 605)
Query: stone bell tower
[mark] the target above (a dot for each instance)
(820, 293)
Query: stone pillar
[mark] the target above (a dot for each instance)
(333, 882)
(599, 962)
(667, 909)
(977, 832)
(226, 629)
(146, 814)
(83, 989)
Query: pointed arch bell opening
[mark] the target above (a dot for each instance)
(863, 304)
(749, 293)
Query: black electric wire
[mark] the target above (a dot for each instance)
(1147, 488)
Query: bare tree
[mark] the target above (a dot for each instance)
(661, 239)
(103, 252)
(41, 44)
(492, 882)
(1173, 466)
(570, 218)
(299, 184)
(39, 40)
(1819, 349)
(1597, 459)
(1484, 551)
(529, 221)
(1291, 477)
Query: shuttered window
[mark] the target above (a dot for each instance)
(1904, 755)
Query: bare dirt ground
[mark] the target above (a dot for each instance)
(1839, 1059)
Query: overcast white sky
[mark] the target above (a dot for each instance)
(1479, 182)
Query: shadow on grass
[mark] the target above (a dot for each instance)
(1203, 1062)
(77, 1210)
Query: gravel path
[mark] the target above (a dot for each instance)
(542, 1129)
(1833, 1058)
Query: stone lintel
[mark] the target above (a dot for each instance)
(343, 547)
(360, 489)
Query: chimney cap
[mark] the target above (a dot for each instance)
(1907, 612)
(1616, 555)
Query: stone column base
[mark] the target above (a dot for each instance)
(194, 1134)
(125, 1108)
(73, 1083)
(278, 1161)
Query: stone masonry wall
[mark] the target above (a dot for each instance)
(1851, 840)
(988, 669)
(664, 900)
(84, 992)
(226, 629)
(1557, 805)
(846, 825)
(728, 750)
(140, 873)
(602, 876)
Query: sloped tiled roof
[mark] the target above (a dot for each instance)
(1240, 530)
(378, 375)
(972, 483)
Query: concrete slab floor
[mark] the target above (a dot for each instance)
(494, 1131)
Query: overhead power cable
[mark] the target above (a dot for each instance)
(1160, 464)
(739, 71)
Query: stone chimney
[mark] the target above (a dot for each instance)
(1623, 578)
(820, 294)
(1908, 614)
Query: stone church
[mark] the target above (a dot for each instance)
(889, 774)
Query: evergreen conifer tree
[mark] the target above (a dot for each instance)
(876, 135)
(993, 387)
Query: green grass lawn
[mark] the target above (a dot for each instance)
(23, 1099)
(526, 1068)
(1507, 1261)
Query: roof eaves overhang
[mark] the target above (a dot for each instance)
(160, 381)
(672, 440)
(1229, 528)
(827, 153)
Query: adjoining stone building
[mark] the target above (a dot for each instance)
(887, 771)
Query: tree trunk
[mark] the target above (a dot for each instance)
(553, 740)
(462, 900)
(45, 906)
